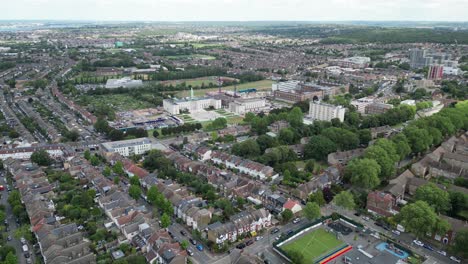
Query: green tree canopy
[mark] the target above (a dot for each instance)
(344, 199)
(461, 243)
(434, 196)
(287, 215)
(319, 147)
(41, 158)
(363, 172)
(311, 211)
(418, 218)
(134, 191)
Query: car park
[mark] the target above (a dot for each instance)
(419, 243)
(453, 258)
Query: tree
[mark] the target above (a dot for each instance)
(184, 244)
(319, 147)
(155, 133)
(344, 199)
(363, 172)
(317, 197)
(265, 141)
(418, 218)
(248, 148)
(296, 257)
(41, 158)
(95, 160)
(11, 258)
(441, 227)
(402, 147)
(286, 136)
(87, 154)
(311, 211)
(386, 163)
(116, 180)
(287, 215)
(296, 117)
(458, 202)
(461, 243)
(102, 126)
(434, 196)
(165, 220)
(118, 168)
(134, 191)
(343, 138)
(418, 139)
(107, 171)
(152, 194)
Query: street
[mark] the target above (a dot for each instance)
(12, 225)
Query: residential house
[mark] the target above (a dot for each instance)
(381, 203)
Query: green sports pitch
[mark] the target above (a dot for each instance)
(314, 244)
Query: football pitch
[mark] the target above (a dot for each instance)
(313, 244)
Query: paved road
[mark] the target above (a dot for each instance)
(12, 225)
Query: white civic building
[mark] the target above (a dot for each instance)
(325, 112)
(242, 106)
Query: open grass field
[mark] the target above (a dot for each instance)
(313, 244)
(119, 102)
(263, 85)
(197, 81)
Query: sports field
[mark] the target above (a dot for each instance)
(314, 244)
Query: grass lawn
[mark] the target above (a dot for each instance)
(263, 85)
(120, 102)
(314, 244)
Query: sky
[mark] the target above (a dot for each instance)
(235, 10)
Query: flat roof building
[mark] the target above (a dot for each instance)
(176, 106)
(242, 106)
(325, 112)
(127, 147)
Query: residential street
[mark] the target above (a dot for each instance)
(12, 225)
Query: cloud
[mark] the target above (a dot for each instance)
(236, 10)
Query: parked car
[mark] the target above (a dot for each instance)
(193, 241)
(258, 238)
(250, 242)
(275, 230)
(290, 232)
(241, 246)
(200, 247)
(366, 218)
(297, 220)
(428, 247)
(189, 252)
(27, 255)
(419, 243)
(377, 223)
(278, 238)
(357, 214)
(182, 232)
(443, 253)
(455, 259)
(9, 238)
(28, 261)
(396, 232)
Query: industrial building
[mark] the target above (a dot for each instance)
(127, 147)
(125, 82)
(325, 112)
(353, 62)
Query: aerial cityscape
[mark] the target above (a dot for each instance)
(191, 132)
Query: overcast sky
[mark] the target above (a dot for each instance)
(236, 10)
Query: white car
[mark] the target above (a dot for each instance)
(258, 238)
(396, 232)
(297, 220)
(419, 243)
(366, 218)
(455, 259)
(443, 253)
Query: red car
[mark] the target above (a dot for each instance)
(2, 187)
